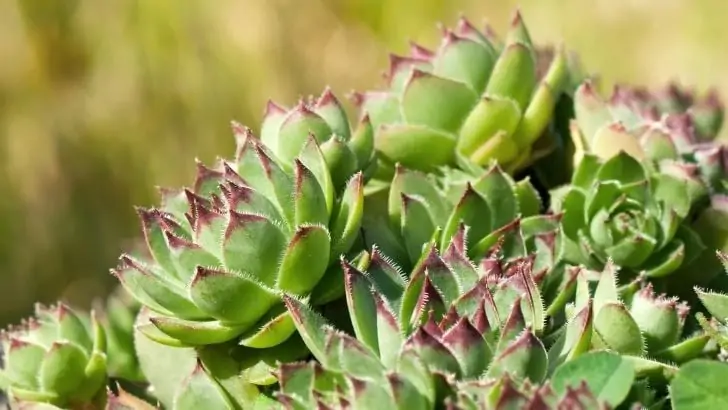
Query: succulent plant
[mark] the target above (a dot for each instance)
(630, 121)
(226, 373)
(647, 328)
(667, 146)
(220, 255)
(615, 209)
(278, 280)
(704, 112)
(500, 100)
(309, 385)
(478, 329)
(346, 151)
(417, 208)
(250, 229)
(55, 360)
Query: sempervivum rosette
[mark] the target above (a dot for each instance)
(473, 100)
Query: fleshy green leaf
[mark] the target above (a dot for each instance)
(309, 198)
(466, 61)
(417, 226)
(514, 75)
(63, 369)
(623, 168)
(272, 119)
(469, 348)
(413, 183)
(382, 107)
(389, 334)
(416, 146)
(524, 358)
(22, 363)
(310, 326)
(253, 244)
(498, 191)
(616, 329)
(613, 140)
(362, 308)
(153, 292)
(230, 297)
(347, 222)
(196, 332)
(592, 112)
(433, 352)
(313, 159)
(165, 367)
(330, 109)
(422, 101)
(362, 141)
(305, 260)
(274, 328)
(471, 210)
(295, 129)
(485, 134)
(716, 303)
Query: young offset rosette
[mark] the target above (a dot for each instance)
(471, 100)
(250, 230)
(616, 209)
(704, 112)
(632, 121)
(645, 327)
(669, 147)
(56, 359)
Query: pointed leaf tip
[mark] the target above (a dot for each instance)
(419, 52)
(272, 108)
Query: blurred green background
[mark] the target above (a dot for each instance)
(101, 101)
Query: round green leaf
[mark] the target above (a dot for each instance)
(700, 384)
(608, 376)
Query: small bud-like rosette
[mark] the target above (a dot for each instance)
(56, 357)
(421, 208)
(251, 229)
(616, 209)
(631, 122)
(702, 113)
(347, 150)
(647, 329)
(470, 100)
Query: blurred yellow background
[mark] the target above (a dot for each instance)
(100, 101)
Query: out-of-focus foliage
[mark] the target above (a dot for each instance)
(101, 100)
